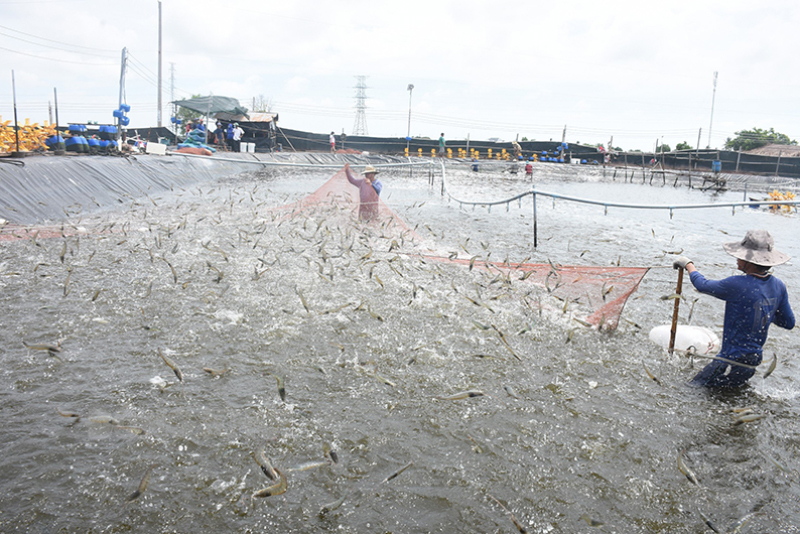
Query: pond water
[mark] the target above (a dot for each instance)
(368, 344)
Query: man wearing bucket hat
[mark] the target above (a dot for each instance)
(752, 303)
(369, 189)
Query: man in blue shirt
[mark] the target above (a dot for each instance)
(752, 303)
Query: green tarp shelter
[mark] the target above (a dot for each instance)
(208, 105)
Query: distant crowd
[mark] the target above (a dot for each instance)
(225, 135)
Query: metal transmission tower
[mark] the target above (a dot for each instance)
(360, 126)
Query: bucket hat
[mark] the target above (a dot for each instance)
(757, 247)
(370, 169)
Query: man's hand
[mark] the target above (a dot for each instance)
(681, 262)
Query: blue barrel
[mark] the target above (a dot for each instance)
(77, 128)
(124, 121)
(124, 107)
(716, 165)
(93, 143)
(74, 144)
(55, 142)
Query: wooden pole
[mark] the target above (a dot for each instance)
(673, 330)
(14, 92)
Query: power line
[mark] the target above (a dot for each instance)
(54, 59)
(53, 41)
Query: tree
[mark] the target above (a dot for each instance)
(683, 146)
(262, 104)
(663, 147)
(186, 114)
(751, 139)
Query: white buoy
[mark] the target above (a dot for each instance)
(701, 338)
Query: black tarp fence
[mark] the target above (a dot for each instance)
(701, 160)
(306, 141)
(152, 133)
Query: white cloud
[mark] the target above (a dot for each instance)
(617, 68)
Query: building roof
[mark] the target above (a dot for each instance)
(251, 117)
(788, 151)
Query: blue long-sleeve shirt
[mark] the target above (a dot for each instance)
(751, 305)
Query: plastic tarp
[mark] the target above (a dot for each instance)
(50, 188)
(208, 105)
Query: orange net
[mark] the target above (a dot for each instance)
(339, 199)
(595, 294)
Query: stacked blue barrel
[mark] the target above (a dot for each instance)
(77, 142)
(107, 138)
(124, 120)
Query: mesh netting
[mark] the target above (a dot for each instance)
(598, 294)
(338, 200)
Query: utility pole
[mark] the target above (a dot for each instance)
(159, 65)
(360, 126)
(697, 150)
(713, 97)
(172, 94)
(408, 137)
(121, 91)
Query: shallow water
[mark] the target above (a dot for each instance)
(587, 433)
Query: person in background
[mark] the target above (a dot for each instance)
(229, 135)
(332, 140)
(442, 145)
(219, 133)
(369, 191)
(517, 150)
(237, 137)
(752, 303)
(528, 169)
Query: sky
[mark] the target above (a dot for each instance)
(638, 72)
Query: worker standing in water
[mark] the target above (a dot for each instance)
(369, 190)
(752, 303)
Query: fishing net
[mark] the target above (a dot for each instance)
(337, 200)
(594, 295)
